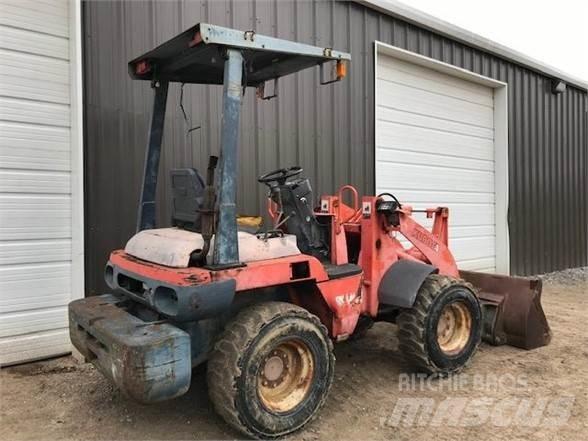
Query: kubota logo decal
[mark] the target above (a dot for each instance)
(424, 237)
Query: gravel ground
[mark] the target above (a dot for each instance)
(505, 393)
(573, 276)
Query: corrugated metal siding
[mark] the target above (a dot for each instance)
(35, 179)
(329, 130)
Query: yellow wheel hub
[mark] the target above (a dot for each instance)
(285, 376)
(454, 328)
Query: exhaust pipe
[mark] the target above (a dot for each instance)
(511, 307)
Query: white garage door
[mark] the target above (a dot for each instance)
(35, 179)
(435, 146)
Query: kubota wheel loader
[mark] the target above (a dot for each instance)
(264, 309)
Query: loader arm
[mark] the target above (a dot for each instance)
(511, 306)
(430, 246)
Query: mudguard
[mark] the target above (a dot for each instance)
(401, 282)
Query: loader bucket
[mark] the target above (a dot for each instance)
(511, 308)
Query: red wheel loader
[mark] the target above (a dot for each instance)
(264, 308)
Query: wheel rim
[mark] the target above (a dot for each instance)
(285, 376)
(454, 328)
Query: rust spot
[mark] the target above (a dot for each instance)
(195, 279)
(224, 274)
(133, 259)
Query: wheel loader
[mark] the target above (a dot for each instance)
(264, 308)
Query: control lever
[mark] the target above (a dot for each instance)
(208, 212)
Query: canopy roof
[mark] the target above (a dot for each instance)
(196, 56)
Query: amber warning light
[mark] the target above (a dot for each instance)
(341, 69)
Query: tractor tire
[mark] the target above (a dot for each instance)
(441, 332)
(271, 369)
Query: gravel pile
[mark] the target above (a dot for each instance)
(570, 276)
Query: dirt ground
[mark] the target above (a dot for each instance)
(59, 399)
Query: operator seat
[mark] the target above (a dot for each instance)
(188, 195)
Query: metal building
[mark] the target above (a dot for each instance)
(428, 111)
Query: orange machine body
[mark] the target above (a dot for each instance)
(358, 235)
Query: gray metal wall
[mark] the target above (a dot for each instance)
(328, 130)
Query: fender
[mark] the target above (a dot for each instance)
(401, 282)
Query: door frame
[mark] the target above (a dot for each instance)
(77, 282)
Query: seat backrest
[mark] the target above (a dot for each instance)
(296, 199)
(188, 195)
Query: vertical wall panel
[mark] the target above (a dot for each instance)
(328, 130)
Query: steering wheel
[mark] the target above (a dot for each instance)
(280, 175)
(391, 196)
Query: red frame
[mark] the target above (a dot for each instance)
(340, 301)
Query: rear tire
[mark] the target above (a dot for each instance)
(271, 370)
(441, 332)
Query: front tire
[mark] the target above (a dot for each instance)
(271, 369)
(442, 331)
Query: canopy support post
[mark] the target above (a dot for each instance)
(146, 215)
(226, 246)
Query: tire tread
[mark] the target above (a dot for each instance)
(224, 362)
(412, 325)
